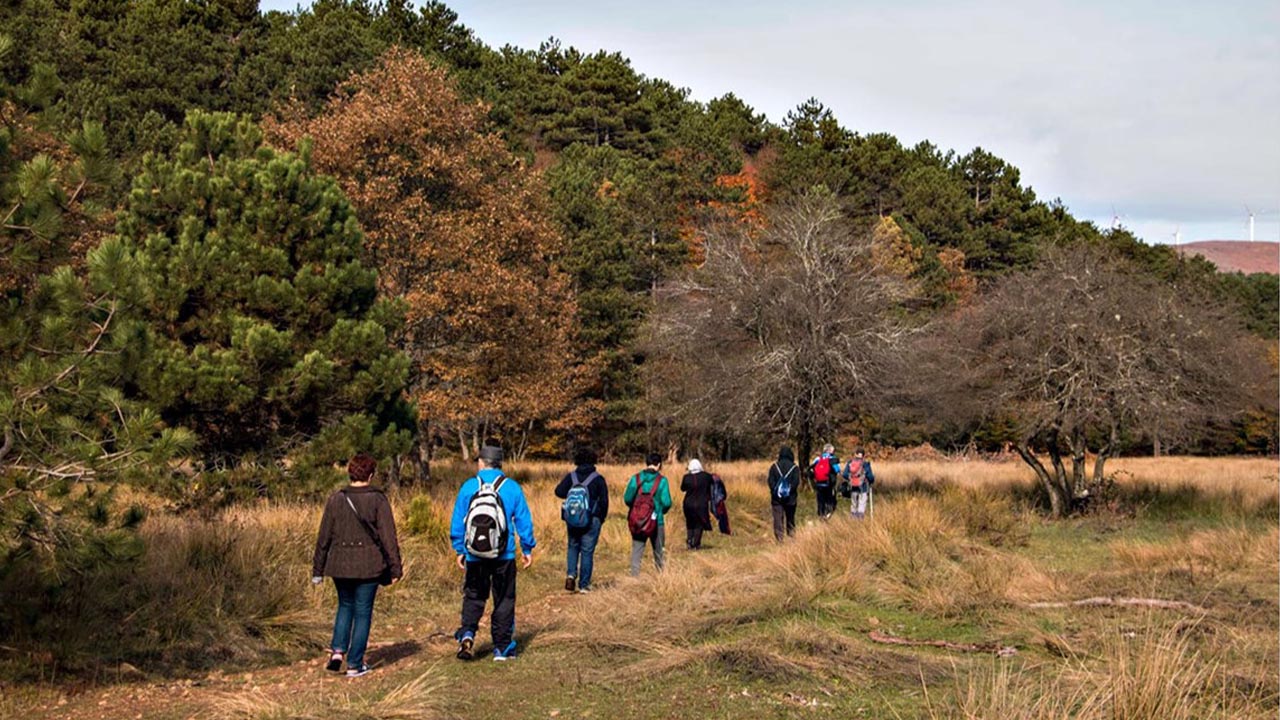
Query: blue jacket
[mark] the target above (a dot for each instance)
(866, 471)
(519, 519)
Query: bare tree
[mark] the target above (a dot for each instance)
(780, 325)
(1078, 353)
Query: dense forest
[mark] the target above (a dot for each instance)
(239, 246)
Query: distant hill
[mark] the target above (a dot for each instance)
(1232, 255)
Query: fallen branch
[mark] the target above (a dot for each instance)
(1122, 602)
(995, 648)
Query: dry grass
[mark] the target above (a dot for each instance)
(1142, 675)
(417, 699)
(947, 555)
(1209, 554)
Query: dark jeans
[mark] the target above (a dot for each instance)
(355, 615)
(484, 577)
(582, 552)
(826, 500)
(784, 521)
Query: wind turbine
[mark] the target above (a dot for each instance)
(1177, 235)
(1116, 218)
(1250, 213)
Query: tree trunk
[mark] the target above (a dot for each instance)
(1099, 465)
(462, 445)
(422, 458)
(393, 472)
(1156, 450)
(805, 446)
(1042, 474)
(1078, 450)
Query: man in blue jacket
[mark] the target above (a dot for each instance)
(486, 575)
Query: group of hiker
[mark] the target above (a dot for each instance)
(854, 481)
(491, 525)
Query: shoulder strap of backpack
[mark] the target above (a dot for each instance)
(573, 478)
(368, 529)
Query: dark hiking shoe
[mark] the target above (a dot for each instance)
(356, 672)
(335, 662)
(466, 647)
(569, 583)
(584, 589)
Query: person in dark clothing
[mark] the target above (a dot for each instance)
(824, 471)
(357, 547)
(784, 485)
(696, 486)
(580, 556)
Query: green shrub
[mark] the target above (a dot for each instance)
(426, 518)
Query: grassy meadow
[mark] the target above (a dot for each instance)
(218, 619)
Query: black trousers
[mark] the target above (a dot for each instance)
(826, 500)
(784, 520)
(694, 525)
(499, 578)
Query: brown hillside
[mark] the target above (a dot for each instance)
(1232, 255)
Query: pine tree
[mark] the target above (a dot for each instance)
(259, 328)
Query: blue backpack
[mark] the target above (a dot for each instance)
(784, 482)
(576, 511)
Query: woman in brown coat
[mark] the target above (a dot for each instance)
(356, 547)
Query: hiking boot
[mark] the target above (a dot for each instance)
(356, 672)
(569, 583)
(335, 662)
(506, 653)
(466, 646)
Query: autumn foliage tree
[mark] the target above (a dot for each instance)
(459, 228)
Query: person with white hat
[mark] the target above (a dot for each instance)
(696, 486)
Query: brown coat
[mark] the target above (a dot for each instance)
(343, 547)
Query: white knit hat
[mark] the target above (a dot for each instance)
(695, 466)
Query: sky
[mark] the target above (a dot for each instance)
(1165, 114)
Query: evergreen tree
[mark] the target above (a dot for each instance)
(261, 329)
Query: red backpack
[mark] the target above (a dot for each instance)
(857, 474)
(642, 519)
(824, 471)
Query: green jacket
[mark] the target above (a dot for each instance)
(661, 497)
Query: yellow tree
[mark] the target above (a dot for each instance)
(459, 228)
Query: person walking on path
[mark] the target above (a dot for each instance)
(825, 469)
(696, 486)
(357, 547)
(860, 478)
(586, 505)
(489, 506)
(648, 498)
(784, 483)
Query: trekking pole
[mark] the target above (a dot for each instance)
(871, 499)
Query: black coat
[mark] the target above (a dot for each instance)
(697, 499)
(597, 490)
(783, 468)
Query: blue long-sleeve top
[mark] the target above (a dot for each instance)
(866, 470)
(519, 519)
